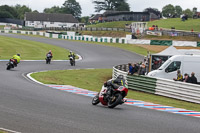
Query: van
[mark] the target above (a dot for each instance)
(185, 63)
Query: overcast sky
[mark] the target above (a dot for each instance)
(88, 7)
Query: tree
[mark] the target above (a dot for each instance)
(21, 10)
(168, 10)
(153, 10)
(72, 7)
(113, 5)
(9, 10)
(54, 9)
(178, 11)
(5, 14)
(85, 19)
(188, 12)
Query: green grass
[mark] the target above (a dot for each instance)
(163, 23)
(94, 79)
(116, 24)
(177, 23)
(29, 50)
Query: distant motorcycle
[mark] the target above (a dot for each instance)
(72, 61)
(48, 60)
(11, 64)
(116, 97)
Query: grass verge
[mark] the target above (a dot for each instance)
(29, 49)
(94, 79)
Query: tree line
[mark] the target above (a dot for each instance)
(73, 7)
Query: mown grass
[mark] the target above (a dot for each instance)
(29, 50)
(115, 24)
(177, 23)
(162, 23)
(94, 79)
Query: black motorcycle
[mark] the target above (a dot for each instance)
(48, 60)
(11, 64)
(72, 61)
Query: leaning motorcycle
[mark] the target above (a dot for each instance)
(72, 61)
(111, 100)
(11, 64)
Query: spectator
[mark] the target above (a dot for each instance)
(179, 76)
(186, 79)
(142, 69)
(193, 78)
(130, 72)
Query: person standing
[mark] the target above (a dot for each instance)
(179, 76)
(193, 78)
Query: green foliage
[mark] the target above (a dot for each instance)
(5, 14)
(72, 7)
(178, 11)
(188, 12)
(9, 11)
(85, 20)
(21, 10)
(111, 5)
(168, 10)
(54, 9)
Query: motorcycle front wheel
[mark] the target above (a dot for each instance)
(113, 102)
(8, 67)
(95, 100)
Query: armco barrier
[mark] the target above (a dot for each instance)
(179, 90)
(142, 83)
(164, 87)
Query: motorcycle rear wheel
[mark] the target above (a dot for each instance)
(8, 67)
(95, 100)
(113, 103)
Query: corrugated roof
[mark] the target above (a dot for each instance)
(50, 17)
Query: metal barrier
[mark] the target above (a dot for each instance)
(164, 87)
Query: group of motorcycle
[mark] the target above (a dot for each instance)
(109, 95)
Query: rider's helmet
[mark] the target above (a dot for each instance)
(120, 77)
(18, 54)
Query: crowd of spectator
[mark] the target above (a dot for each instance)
(138, 68)
(188, 79)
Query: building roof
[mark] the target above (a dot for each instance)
(96, 17)
(50, 17)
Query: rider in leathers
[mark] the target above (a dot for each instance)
(114, 84)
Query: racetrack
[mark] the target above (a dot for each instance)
(28, 107)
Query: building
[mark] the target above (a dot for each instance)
(44, 20)
(109, 16)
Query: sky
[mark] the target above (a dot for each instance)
(88, 7)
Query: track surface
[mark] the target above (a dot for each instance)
(29, 107)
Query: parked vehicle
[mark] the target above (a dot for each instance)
(185, 63)
(116, 97)
(11, 64)
(72, 61)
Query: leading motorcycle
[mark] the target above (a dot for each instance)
(72, 61)
(111, 100)
(11, 64)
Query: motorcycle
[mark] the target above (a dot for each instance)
(72, 61)
(48, 60)
(11, 64)
(113, 99)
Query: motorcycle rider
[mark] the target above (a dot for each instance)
(71, 54)
(17, 59)
(49, 54)
(114, 84)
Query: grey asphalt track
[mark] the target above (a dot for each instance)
(28, 107)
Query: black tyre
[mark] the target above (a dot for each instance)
(95, 100)
(8, 67)
(115, 100)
